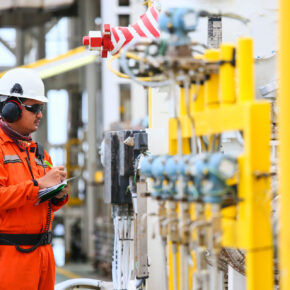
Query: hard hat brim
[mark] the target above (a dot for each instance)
(37, 98)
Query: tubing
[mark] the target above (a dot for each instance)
(128, 72)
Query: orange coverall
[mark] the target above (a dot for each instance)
(20, 215)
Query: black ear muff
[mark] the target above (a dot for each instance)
(11, 111)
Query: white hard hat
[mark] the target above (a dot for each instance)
(23, 83)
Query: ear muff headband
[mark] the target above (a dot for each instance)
(16, 102)
(11, 111)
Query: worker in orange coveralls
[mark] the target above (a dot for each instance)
(26, 256)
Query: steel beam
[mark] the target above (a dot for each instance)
(91, 77)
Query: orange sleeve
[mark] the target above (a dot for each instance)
(55, 205)
(17, 195)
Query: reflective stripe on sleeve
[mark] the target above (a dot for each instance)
(11, 159)
(38, 162)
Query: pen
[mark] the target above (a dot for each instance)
(47, 163)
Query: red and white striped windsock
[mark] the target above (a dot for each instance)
(114, 38)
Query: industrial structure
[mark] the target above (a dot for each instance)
(172, 133)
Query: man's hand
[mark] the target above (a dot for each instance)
(62, 193)
(55, 176)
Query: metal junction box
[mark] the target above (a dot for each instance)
(121, 150)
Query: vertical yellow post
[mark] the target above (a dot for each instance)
(171, 274)
(150, 106)
(227, 74)
(284, 145)
(254, 221)
(193, 257)
(245, 70)
(212, 84)
(172, 136)
(183, 113)
(149, 4)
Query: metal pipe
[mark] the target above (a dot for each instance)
(91, 85)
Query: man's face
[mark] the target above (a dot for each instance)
(29, 121)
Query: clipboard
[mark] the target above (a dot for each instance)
(50, 192)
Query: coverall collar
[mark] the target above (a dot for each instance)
(5, 138)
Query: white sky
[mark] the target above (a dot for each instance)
(7, 57)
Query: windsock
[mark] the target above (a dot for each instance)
(112, 39)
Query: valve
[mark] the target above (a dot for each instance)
(179, 21)
(158, 167)
(112, 39)
(207, 178)
(152, 167)
(96, 40)
(170, 170)
(214, 175)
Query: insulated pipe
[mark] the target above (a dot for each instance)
(89, 283)
(227, 74)
(284, 145)
(245, 70)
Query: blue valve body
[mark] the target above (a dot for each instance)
(179, 21)
(205, 176)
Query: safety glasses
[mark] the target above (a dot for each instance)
(35, 109)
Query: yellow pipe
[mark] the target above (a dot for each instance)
(193, 256)
(245, 70)
(211, 85)
(60, 64)
(227, 74)
(284, 156)
(183, 113)
(170, 268)
(150, 106)
(175, 278)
